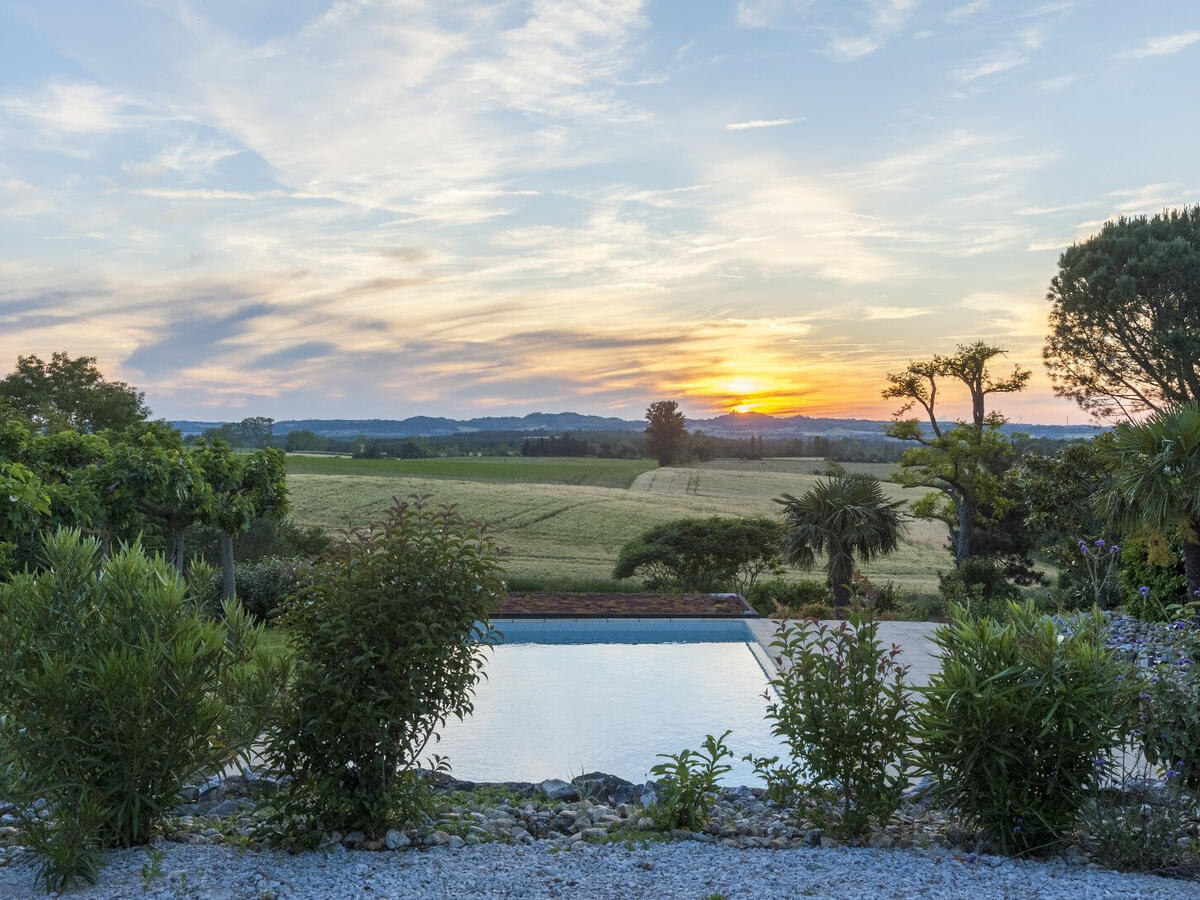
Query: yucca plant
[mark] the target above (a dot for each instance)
(846, 518)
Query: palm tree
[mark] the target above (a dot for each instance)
(844, 517)
(1157, 481)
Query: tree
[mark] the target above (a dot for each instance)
(712, 554)
(844, 518)
(68, 393)
(966, 461)
(1156, 484)
(1125, 316)
(244, 488)
(666, 435)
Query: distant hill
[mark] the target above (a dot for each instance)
(728, 425)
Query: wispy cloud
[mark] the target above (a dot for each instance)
(1016, 54)
(965, 11)
(896, 312)
(760, 123)
(1163, 45)
(882, 19)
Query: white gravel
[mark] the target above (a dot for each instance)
(684, 870)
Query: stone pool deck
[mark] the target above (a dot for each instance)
(917, 650)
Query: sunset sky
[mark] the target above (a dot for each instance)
(383, 209)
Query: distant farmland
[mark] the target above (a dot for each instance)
(563, 520)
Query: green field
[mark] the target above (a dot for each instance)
(614, 473)
(562, 525)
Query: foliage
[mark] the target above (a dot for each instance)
(844, 712)
(1139, 826)
(389, 636)
(263, 585)
(843, 518)
(25, 502)
(1101, 563)
(979, 586)
(776, 596)
(687, 783)
(1156, 484)
(1017, 725)
(1152, 576)
(1059, 498)
(1168, 714)
(266, 537)
(70, 394)
(115, 689)
(702, 554)
(1125, 316)
(666, 433)
(966, 462)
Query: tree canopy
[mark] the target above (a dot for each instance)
(711, 554)
(666, 433)
(1125, 316)
(70, 393)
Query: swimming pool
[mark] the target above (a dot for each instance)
(568, 696)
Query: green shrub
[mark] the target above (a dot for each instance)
(1152, 577)
(844, 712)
(1167, 721)
(979, 585)
(1016, 727)
(115, 689)
(923, 608)
(687, 783)
(714, 554)
(262, 585)
(390, 636)
(778, 596)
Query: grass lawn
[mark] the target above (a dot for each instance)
(565, 535)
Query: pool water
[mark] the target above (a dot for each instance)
(572, 696)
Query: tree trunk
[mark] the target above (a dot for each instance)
(1191, 565)
(175, 547)
(841, 574)
(228, 584)
(966, 530)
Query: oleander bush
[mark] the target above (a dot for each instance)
(116, 688)
(842, 708)
(390, 633)
(1019, 724)
(687, 783)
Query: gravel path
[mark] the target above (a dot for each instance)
(678, 870)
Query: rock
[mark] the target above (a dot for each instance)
(956, 835)
(828, 843)
(353, 839)
(224, 808)
(556, 789)
(519, 835)
(396, 840)
(372, 845)
(648, 796)
(437, 839)
(813, 837)
(609, 788)
(455, 842)
(594, 834)
(882, 841)
(645, 823)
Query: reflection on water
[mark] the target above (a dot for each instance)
(555, 711)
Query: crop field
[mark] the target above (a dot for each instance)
(614, 473)
(565, 534)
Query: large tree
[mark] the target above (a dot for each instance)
(67, 393)
(666, 433)
(1156, 484)
(964, 462)
(843, 518)
(1125, 316)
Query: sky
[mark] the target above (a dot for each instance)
(381, 209)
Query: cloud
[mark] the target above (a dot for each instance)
(1016, 54)
(882, 18)
(965, 11)
(760, 123)
(74, 108)
(896, 312)
(1163, 45)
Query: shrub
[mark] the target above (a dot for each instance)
(777, 596)
(703, 554)
(1152, 576)
(923, 608)
(389, 635)
(979, 585)
(1168, 714)
(262, 585)
(687, 783)
(1017, 725)
(844, 712)
(115, 690)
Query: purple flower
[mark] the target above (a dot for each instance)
(1120, 678)
(1101, 543)
(1083, 548)
(1144, 591)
